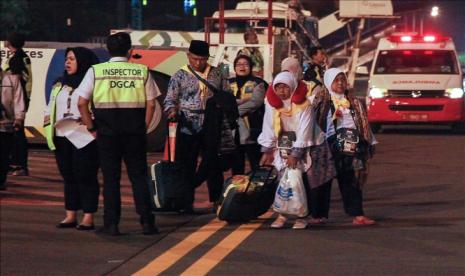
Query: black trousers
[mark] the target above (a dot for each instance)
(253, 154)
(132, 149)
(352, 197)
(188, 150)
(6, 140)
(19, 150)
(79, 168)
(319, 200)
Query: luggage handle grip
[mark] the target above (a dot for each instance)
(168, 136)
(253, 174)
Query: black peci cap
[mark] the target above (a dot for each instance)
(199, 48)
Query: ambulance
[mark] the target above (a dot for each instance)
(416, 79)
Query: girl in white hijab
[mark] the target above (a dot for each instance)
(287, 117)
(336, 111)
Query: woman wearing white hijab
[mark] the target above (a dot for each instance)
(345, 121)
(287, 118)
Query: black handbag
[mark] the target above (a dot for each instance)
(223, 99)
(347, 141)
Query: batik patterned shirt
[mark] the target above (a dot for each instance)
(184, 94)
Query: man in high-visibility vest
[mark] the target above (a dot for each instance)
(317, 67)
(123, 96)
(12, 113)
(19, 64)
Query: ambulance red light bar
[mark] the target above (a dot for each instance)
(416, 38)
(429, 38)
(405, 38)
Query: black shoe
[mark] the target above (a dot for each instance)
(110, 230)
(149, 229)
(66, 224)
(82, 227)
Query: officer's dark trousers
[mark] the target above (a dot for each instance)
(132, 149)
(19, 150)
(188, 149)
(253, 154)
(348, 186)
(79, 168)
(6, 140)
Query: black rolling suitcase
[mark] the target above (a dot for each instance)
(166, 184)
(166, 187)
(246, 197)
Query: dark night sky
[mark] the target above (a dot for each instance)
(95, 18)
(451, 21)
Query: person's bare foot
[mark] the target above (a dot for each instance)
(87, 219)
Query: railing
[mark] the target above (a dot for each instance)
(369, 32)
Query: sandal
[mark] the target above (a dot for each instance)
(19, 172)
(300, 224)
(279, 222)
(315, 221)
(363, 221)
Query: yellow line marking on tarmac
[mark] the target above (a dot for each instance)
(213, 257)
(41, 130)
(28, 133)
(175, 253)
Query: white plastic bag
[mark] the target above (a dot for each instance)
(290, 197)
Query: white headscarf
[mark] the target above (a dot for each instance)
(329, 77)
(288, 79)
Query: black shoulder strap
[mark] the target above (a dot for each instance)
(204, 81)
(333, 109)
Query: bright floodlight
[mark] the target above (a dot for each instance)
(435, 11)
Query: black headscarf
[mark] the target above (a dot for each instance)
(241, 80)
(85, 58)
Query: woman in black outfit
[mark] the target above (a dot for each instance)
(78, 166)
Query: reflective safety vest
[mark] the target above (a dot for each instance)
(246, 90)
(26, 73)
(249, 125)
(119, 85)
(49, 121)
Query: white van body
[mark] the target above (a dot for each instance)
(415, 79)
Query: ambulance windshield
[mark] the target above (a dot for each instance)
(416, 62)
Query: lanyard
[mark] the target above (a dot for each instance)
(68, 104)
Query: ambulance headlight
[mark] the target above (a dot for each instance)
(454, 93)
(377, 93)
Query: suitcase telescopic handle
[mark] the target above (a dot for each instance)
(252, 175)
(173, 120)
